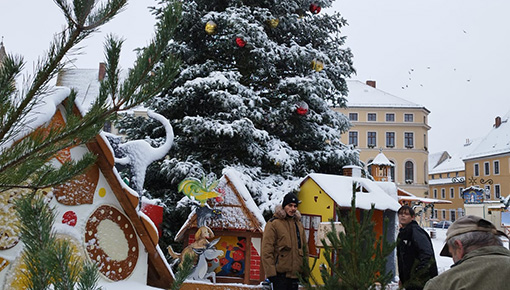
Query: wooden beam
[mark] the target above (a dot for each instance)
(164, 275)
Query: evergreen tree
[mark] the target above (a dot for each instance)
(24, 159)
(254, 92)
(356, 258)
(24, 154)
(48, 259)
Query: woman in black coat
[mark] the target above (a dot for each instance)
(416, 261)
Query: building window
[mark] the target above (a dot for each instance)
(443, 193)
(461, 189)
(353, 138)
(497, 191)
(408, 118)
(452, 215)
(372, 117)
(390, 139)
(435, 192)
(488, 192)
(476, 169)
(452, 192)
(486, 168)
(311, 225)
(496, 167)
(353, 116)
(409, 139)
(390, 117)
(435, 214)
(371, 139)
(409, 172)
(443, 213)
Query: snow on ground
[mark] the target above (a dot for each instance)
(443, 263)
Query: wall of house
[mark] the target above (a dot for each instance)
(492, 178)
(315, 203)
(96, 225)
(447, 182)
(399, 154)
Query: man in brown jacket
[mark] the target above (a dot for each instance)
(284, 245)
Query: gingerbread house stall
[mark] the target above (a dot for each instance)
(322, 194)
(239, 226)
(97, 212)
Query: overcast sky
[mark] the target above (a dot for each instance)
(453, 57)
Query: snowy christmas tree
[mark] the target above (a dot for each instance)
(254, 93)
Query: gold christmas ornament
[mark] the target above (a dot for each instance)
(317, 65)
(273, 23)
(210, 27)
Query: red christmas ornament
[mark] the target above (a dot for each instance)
(302, 108)
(70, 218)
(240, 42)
(315, 8)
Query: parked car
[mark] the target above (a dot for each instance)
(442, 224)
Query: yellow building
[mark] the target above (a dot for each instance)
(482, 163)
(384, 121)
(447, 182)
(322, 194)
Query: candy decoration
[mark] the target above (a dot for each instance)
(111, 241)
(315, 8)
(210, 27)
(273, 23)
(302, 108)
(70, 218)
(317, 65)
(240, 42)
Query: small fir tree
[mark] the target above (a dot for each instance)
(24, 157)
(356, 258)
(49, 261)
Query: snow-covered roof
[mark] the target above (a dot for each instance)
(424, 199)
(238, 209)
(339, 188)
(455, 161)
(86, 84)
(381, 159)
(363, 95)
(436, 158)
(497, 141)
(40, 114)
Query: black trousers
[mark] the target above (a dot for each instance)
(280, 282)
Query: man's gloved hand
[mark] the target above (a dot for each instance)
(271, 279)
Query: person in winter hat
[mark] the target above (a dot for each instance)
(284, 245)
(480, 259)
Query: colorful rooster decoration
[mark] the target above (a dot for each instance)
(200, 190)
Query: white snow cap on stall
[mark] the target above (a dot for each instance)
(339, 188)
(381, 159)
(41, 113)
(233, 175)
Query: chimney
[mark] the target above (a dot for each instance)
(371, 83)
(102, 71)
(497, 122)
(351, 170)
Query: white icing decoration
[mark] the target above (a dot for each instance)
(112, 240)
